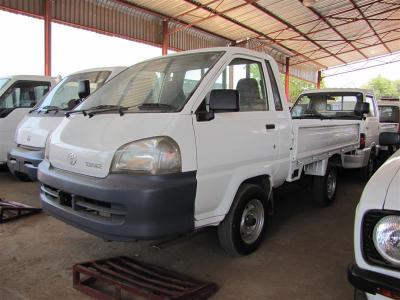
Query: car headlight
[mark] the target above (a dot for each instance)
(386, 239)
(158, 155)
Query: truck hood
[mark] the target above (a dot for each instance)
(87, 145)
(382, 190)
(392, 201)
(33, 131)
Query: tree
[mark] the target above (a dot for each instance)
(297, 86)
(382, 86)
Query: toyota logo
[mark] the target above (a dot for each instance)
(72, 158)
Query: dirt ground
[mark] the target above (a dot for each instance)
(304, 255)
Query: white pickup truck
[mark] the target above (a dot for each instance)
(326, 105)
(193, 139)
(18, 94)
(376, 273)
(33, 130)
(389, 118)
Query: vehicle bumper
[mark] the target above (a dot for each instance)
(120, 207)
(372, 283)
(356, 160)
(25, 161)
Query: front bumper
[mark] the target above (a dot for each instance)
(356, 160)
(372, 282)
(25, 161)
(120, 207)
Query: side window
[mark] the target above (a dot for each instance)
(370, 100)
(275, 90)
(24, 94)
(247, 77)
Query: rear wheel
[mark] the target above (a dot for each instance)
(242, 230)
(324, 187)
(369, 169)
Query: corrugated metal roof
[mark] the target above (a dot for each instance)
(322, 34)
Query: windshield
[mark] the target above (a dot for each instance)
(326, 105)
(162, 84)
(3, 81)
(389, 114)
(65, 94)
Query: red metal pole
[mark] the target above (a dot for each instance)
(287, 78)
(165, 38)
(319, 79)
(47, 37)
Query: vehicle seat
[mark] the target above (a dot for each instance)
(249, 94)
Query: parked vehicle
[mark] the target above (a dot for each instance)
(193, 139)
(376, 272)
(389, 118)
(339, 104)
(18, 94)
(33, 130)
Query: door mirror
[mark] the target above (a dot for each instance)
(83, 89)
(224, 100)
(361, 108)
(389, 139)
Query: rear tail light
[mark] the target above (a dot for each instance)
(362, 140)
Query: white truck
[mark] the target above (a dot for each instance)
(389, 118)
(338, 104)
(18, 94)
(193, 139)
(376, 272)
(31, 134)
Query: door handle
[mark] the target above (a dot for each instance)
(270, 126)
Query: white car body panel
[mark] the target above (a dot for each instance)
(8, 125)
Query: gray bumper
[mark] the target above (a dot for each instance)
(120, 207)
(25, 161)
(357, 160)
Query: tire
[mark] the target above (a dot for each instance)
(325, 187)
(23, 177)
(359, 295)
(369, 169)
(235, 236)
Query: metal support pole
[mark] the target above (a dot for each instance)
(165, 38)
(287, 78)
(47, 37)
(319, 79)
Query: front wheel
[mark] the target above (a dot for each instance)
(325, 187)
(242, 230)
(369, 169)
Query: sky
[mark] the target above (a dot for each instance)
(22, 52)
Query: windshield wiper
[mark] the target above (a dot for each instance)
(106, 108)
(47, 109)
(85, 111)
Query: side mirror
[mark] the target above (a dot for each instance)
(389, 139)
(361, 108)
(224, 100)
(83, 89)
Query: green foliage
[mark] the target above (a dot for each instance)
(383, 86)
(296, 86)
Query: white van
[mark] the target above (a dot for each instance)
(376, 273)
(389, 118)
(33, 130)
(193, 139)
(339, 103)
(18, 94)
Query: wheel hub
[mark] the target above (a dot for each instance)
(252, 221)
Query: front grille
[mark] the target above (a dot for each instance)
(100, 210)
(30, 148)
(370, 253)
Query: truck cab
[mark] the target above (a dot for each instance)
(18, 94)
(339, 104)
(33, 130)
(376, 271)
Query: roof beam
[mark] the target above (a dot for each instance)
(287, 24)
(209, 9)
(322, 18)
(370, 26)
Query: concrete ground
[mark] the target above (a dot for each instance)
(304, 255)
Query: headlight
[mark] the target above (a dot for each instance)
(386, 239)
(46, 148)
(158, 155)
